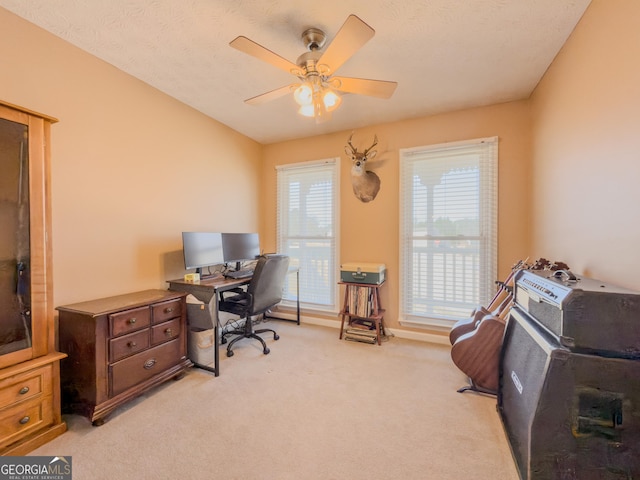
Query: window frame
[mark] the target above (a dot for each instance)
(488, 230)
(282, 219)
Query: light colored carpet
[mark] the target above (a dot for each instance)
(315, 408)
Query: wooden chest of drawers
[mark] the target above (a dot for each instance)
(119, 347)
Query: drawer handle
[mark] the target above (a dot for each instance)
(148, 365)
(131, 321)
(25, 420)
(132, 344)
(24, 390)
(168, 332)
(168, 310)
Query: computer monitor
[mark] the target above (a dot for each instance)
(238, 247)
(202, 249)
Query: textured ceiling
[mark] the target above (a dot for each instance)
(445, 54)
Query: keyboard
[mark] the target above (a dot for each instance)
(237, 274)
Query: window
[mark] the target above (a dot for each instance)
(307, 229)
(448, 244)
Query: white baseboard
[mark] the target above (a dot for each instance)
(421, 337)
(410, 335)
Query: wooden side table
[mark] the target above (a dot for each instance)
(375, 312)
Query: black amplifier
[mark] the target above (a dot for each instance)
(585, 315)
(567, 415)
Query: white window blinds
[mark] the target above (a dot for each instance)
(448, 245)
(307, 223)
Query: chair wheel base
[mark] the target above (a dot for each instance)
(229, 353)
(266, 351)
(276, 336)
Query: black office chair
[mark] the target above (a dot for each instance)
(263, 293)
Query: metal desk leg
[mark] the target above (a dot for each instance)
(216, 341)
(298, 295)
(297, 320)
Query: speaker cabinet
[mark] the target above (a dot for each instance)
(567, 415)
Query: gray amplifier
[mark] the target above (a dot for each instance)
(585, 315)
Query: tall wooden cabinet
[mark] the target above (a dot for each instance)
(29, 363)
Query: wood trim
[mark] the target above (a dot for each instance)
(28, 112)
(31, 364)
(38, 203)
(22, 355)
(35, 440)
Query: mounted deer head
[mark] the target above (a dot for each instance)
(366, 184)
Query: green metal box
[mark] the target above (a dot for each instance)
(370, 273)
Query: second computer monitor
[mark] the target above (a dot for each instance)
(238, 247)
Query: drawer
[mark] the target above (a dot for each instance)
(22, 419)
(126, 345)
(143, 366)
(165, 331)
(129, 320)
(25, 386)
(166, 310)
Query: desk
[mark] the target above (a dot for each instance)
(206, 290)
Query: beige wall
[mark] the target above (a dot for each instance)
(131, 167)
(586, 160)
(369, 231)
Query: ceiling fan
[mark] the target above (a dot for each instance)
(317, 89)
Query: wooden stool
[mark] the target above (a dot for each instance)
(370, 309)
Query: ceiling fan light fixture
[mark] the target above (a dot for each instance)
(316, 100)
(303, 95)
(331, 100)
(307, 110)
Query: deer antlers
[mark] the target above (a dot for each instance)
(354, 150)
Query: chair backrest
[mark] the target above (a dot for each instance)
(267, 282)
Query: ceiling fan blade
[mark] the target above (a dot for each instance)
(258, 51)
(272, 95)
(353, 34)
(362, 86)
